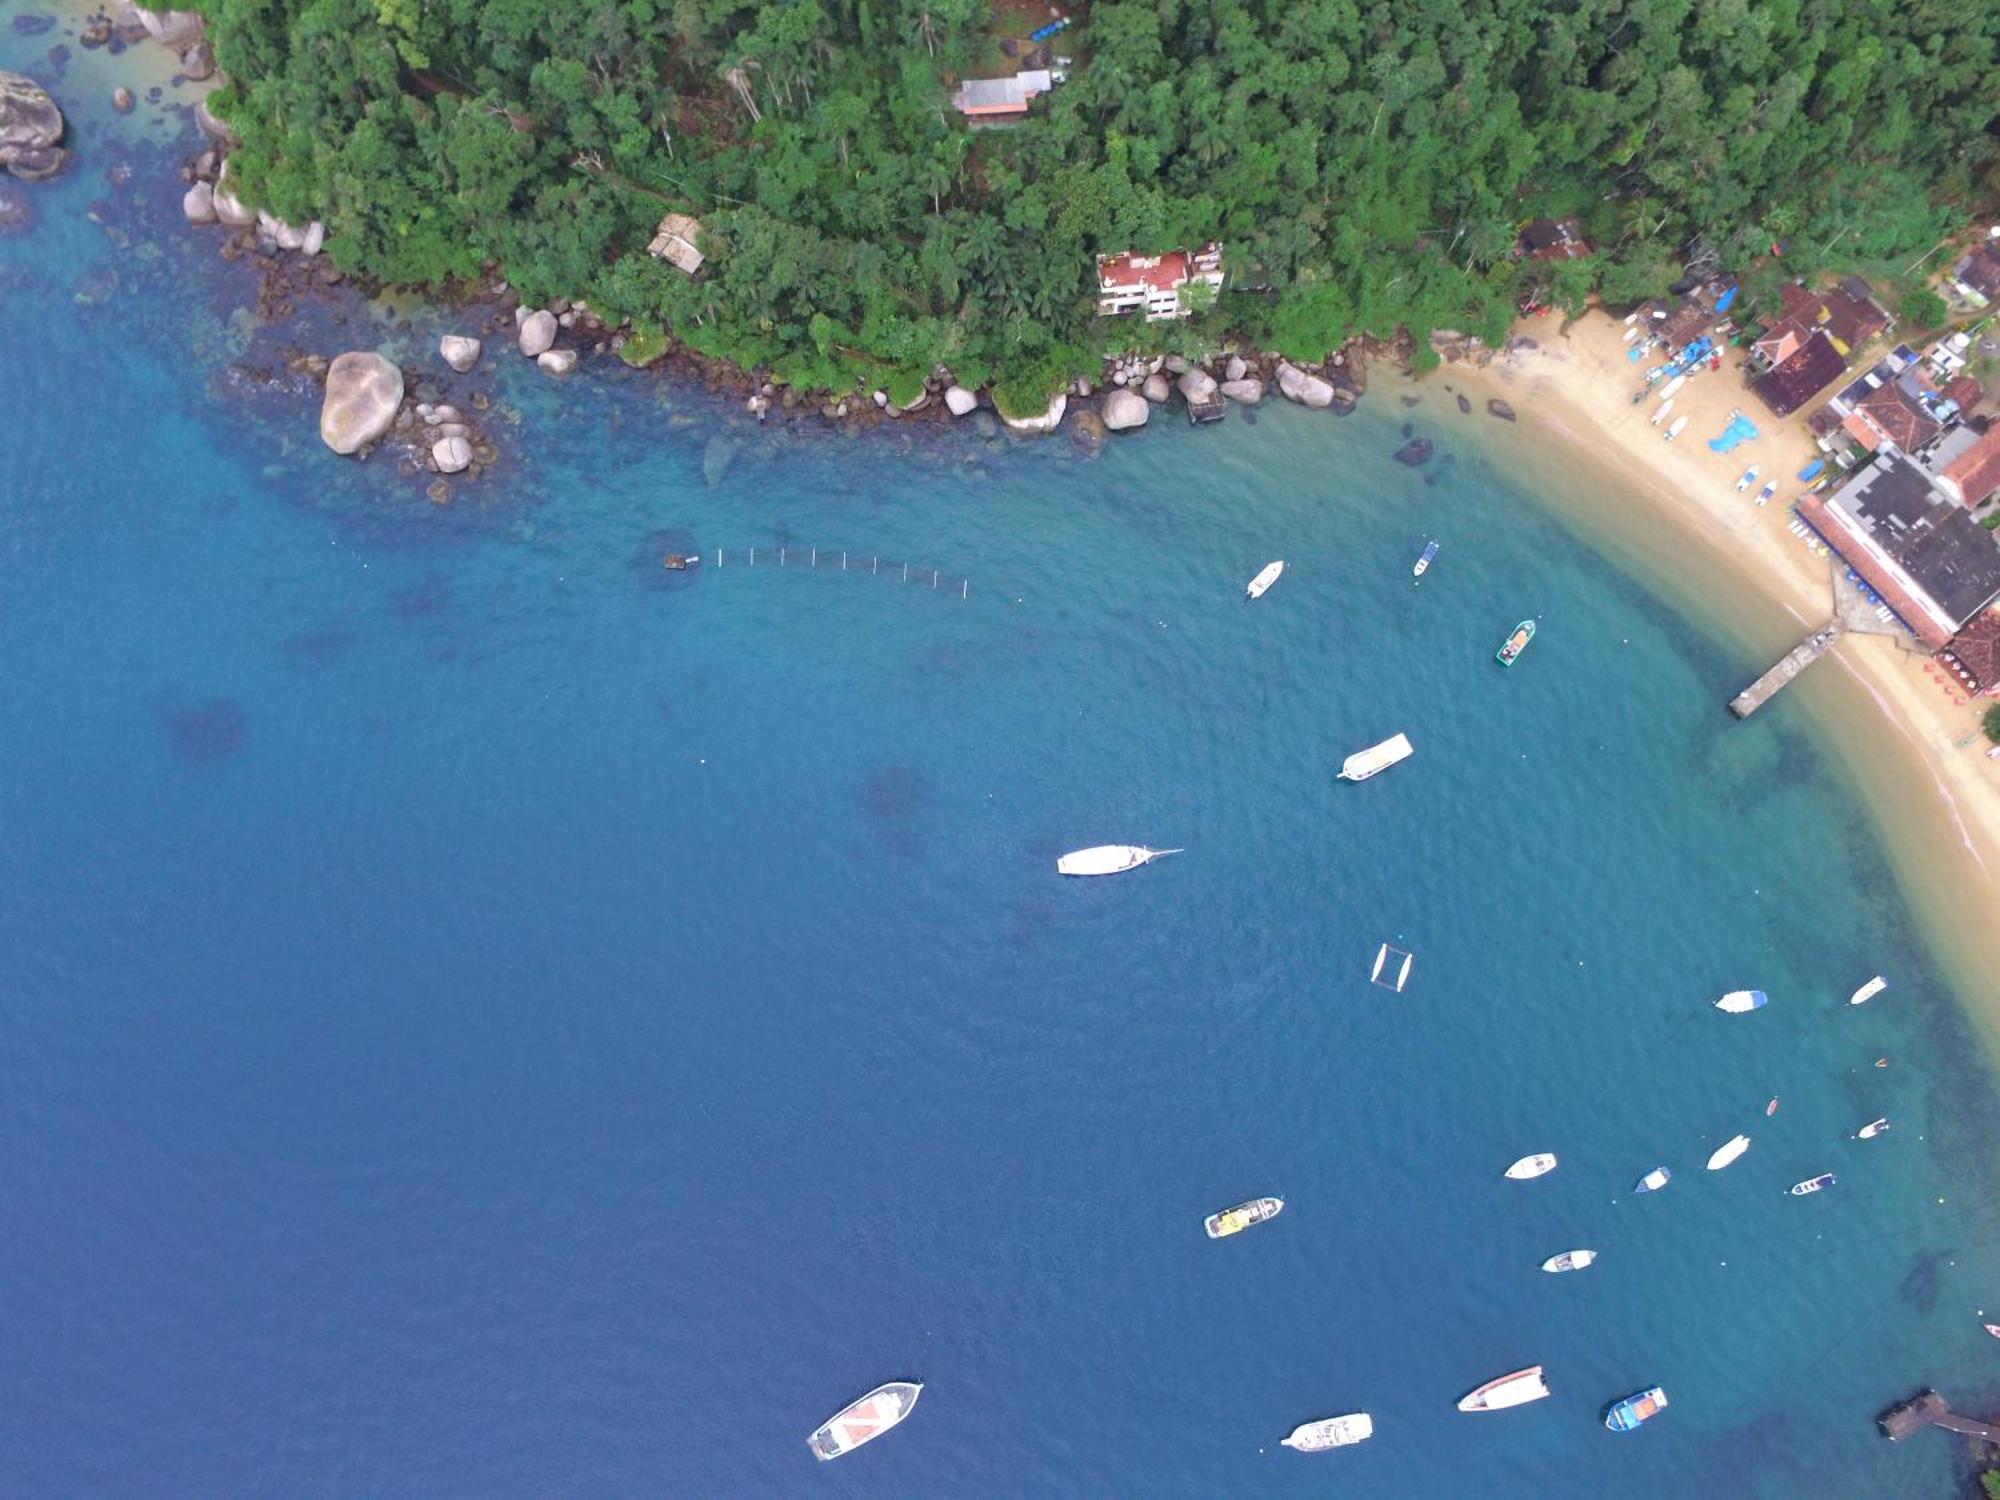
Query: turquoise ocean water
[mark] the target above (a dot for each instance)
(486, 1016)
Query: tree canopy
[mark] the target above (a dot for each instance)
(1366, 164)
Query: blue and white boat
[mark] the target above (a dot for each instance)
(1430, 551)
(1654, 1180)
(1736, 1002)
(1625, 1415)
(1812, 1185)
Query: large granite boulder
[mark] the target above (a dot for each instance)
(363, 394)
(556, 361)
(1307, 390)
(451, 455)
(1248, 391)
(172, 28)
(460, 352)
(30, 127)
(1125, 409)
(198, 62)
(538, 332)
(1156, 389)
(1236, 369)
(1046, 421)
(958, 400)
(198, 203)
(1197, 386)
(211, 124)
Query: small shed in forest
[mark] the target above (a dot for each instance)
(674, 243)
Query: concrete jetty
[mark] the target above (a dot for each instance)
(1795, 661)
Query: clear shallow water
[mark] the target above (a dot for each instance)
(485, 1017)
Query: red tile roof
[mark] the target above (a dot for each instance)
(1975, 650)
(1966, 392)
(1893, 413)
(1161, 272)
(1976, 471)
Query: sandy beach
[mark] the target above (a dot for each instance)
(1916, 754)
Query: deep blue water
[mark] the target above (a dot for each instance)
(485, 1017)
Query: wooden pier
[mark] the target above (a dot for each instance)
(1928, 1409)
(1795, 661)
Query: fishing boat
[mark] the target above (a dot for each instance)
(1261, 584)
(1680, 426)
(1738, 1002)
(1728, 1152)
(1331, 1432)
(1538, 1165)
(1872, 1129)
(1672, 387)
(1236, 1220)
(866, 1419)
(1515, 644)
(1376, 758)
(1812, 1185)
(1868, 991)
(1764, 495)
(1654, 1180)
(1508, 1390)
(1661, 415)
(1569, 1260)
(1623, 1416)
(1424, 562)
(1746, 479)
(1110, 859)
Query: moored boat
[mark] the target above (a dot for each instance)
(1569, 1260)
(1235, 1220)
(1728, 1152)
(1507, 1390)
(1992, 1328)
(1259, 585)
(1668, 391)
(865, 1420)
(1424, 562)
(1623, 1416)
(1812, 1185)
(1109, 859)
(1868, 991)
(1738, 1002)
(1540, 1164)
(1872, 1129)
(1746, 479)
(1654, 1180)
(1331, 1432)
(1376, 758)
(1511, 648)
(1771, 1108)
(1660, 416)
(1680, 426)
(1764, 495)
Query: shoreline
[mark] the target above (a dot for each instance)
(1931, 795)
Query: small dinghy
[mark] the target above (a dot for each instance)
(1654, 1180)
(1868, 991)
(1746, 479)
(1261, 584)
(1812, 1185)
(1569, 1260)
(1660, 416)
(1538, 1165)
(1872, 1129)
(1679, 427)
(1764, 495)
(1739, 1002)
(1728, 1152)
(1110, 859)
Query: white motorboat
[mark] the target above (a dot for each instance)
(1569, 1260)
(1654, 1180)
(1672, 387)
(1508, 1390)
(1261, 584)
(1679, 427)
(1747, 478)
(1110, 859)
(1331, 1432)
(1739, 1002)
(1728, 1152)
(866, 1419)
(1538, 1165)
(1872, 1129)
(1817, 1184)
(1376, 758)
(1661, 415)
(1868, 991)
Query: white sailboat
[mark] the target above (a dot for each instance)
(1728, 1152)
(1110, 859)
(1263, 581)
(1538, 1165)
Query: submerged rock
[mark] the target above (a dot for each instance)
(17, 212)
(1500, 409)
(1464, 407)
(30, 127)
(1087, 430)
(363, 394)
(1414, 452)
(716, 458)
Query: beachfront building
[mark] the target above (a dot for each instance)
(1551, 239)
(1971, 475)
(1152, 283)
(674, 243)
(1931, 563)
(1895, 404)
(1809, 369)
(1002, 101)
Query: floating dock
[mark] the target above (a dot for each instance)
(1928, 1409)
(1795, 661)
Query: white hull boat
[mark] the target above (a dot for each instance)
(1569, 1260)
(1660, 416)
(1539, 1165)
(866, 1419)
(1332, 1432)
(1110, 859)
(1749, 477)
(1728, 1152)
(1680, 426)
(1672, 387)
(1817, 1184)
(1654, 1180)
(1376, 758)
(1261, 584)
(1868, 991)
(1872, 1129)
(1741, 1002)
(1509, 1390)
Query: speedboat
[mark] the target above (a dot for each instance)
(1507, 1390)
(1623, 1416)
(1331, 1432)
(1661, 415)
(866, 1419)
(1430, 551)
(1746, 479)
(1376, 758)
(1872, 1129)
(1764, 495)
(1110, 859)
(1263, 581)
(1235, 1220)
(1511, 648)
(1654, 1180)
(1569, 1260)
(1680, 426)
(1812, 1185)
(1538, 1165)
(1737, 1002)
(1727, 1152)
(1868, 991)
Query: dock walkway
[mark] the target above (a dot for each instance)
(1929, 1409)
(1795, 661)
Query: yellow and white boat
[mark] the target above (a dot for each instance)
(1236, 1220)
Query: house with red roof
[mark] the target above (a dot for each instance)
(1971, 477)
(1152, 284)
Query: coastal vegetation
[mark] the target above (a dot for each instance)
(1991, 723)
(1366, 166)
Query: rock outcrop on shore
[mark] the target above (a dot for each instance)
(958, 400)
(172, 28)
(538, 331)
(363, 394)
(1308, 390)
(30, 129)
(459, 351)
(1047, 421)
(1156, 389)
(1248, 391)
(1197, 386)
(1125, 409)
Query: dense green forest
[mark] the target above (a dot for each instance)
(1367, 164)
